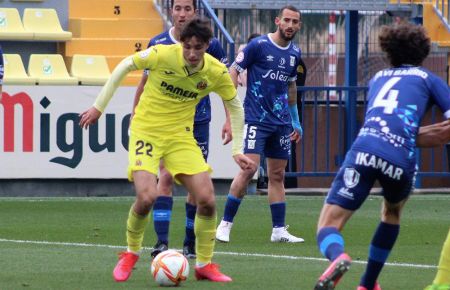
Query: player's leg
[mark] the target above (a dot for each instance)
(162, 211)
(395, 192)
(201, 135)
(277, 202)
(185, 162)
(277, 152)
(200, 185)
(382, 243)
(238, 189)
(442, 279)
(142, 170)
(189, 238)
(331, 244)
(254, 140)
(349, 190)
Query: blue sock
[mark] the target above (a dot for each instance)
(382, 243)
(278, 211)
(231, 208)
(162, 211)
(190, 218)
(330, 242)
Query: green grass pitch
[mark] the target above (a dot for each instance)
(72, 243)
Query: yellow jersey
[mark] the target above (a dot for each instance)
(167, 104)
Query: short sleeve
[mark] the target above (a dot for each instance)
(441, 94)
(146, 59)
(246, 57)
(216, 50)
(225, 87)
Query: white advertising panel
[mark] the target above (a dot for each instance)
(41, 137)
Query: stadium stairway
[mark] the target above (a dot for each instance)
(113, 28)
(438, 27)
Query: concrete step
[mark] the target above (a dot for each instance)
(104, 46)
(112, 9)
(115, 28)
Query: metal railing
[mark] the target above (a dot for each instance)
(443, 6)
(163, 7)
(366, 5)
(324, 120)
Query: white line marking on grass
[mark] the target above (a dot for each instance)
(285, 257)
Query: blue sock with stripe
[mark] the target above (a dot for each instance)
(231, 208)
(278, 210)
(191, 210)
(330, 242)
(382, 243)
(162, 211)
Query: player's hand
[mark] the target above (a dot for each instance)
(89, 117)
(295, 136)
(244, 162)
(227, 134)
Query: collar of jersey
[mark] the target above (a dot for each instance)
(182, 61)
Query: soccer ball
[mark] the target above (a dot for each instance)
(170, 268)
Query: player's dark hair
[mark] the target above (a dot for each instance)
(289, 7)
(199, 28)
(194, 3)
(253, 35)
(404, 43)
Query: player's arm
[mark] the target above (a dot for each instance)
(434, 135)
(227, 130)
(139, 90)
(122, 69)
(293, 111)
(236, 110)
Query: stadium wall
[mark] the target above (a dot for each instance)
(25, 48)
(45, 152)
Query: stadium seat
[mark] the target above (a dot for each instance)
(90, 69)
(11, 27)
(50, 69)
(45, 25)
(15, 71)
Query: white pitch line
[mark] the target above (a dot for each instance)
(286, 257)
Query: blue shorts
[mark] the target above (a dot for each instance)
(201, 135)
(271, 140)
(358, 174)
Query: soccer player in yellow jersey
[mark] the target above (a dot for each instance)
(180, 75)
(442, 279)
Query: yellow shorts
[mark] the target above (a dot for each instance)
(181, 155)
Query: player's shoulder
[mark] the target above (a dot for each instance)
(214, 43)
(162, 38)
(215, 67)
(295, 49)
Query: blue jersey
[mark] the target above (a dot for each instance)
(270, 68)
(398, 99)
(1, 66)
(203, 109)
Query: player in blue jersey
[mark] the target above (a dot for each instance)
(182, 12)
(383, 151)
(271, 118)
(1, 72)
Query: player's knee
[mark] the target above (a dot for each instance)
(391, 213)
(206, 205)
(165, 184)
(190, 198)
(276, 175)
(145, 198)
